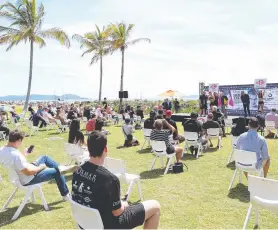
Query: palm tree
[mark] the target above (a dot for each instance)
(120, 34)
(97, 43)
(26, 26)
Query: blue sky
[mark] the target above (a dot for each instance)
(226, 42)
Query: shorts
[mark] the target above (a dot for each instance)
(170, 150)
(203, 107)
(261, 103)
(132, 217)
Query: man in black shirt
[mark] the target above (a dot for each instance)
(149, 122)
(224, 103)
(210, 124)
(176, 135)
(167, 105)
(104, 103)
(203, 100)
(246, 103)
(193, 125)
(176, 105)
(140, 112)
(219, 117)
(95, 187)
(160, 114)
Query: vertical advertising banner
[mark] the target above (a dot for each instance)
(235, 107)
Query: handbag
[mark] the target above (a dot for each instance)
(178, 167)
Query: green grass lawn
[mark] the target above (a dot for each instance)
(198, 198)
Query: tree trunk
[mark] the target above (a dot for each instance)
(30, 76)
(122, 76)
(100, 81)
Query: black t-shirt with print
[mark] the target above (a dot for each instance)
(95, 187)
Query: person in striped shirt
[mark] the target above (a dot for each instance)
(160, 134)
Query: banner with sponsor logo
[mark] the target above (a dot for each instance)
(235, 107)
(214, 87)
(260, 83)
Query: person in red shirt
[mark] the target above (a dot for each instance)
(91, 124)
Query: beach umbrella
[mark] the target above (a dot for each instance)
(171, 93)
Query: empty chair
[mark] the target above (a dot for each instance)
(147, 135)
(159, 150)
(271, 126)
(233, 142)
(245, 161)
(86, 218)
(263, 194)
(118, 168)
(29, 193)
(191, 139)
(32, 129)
(76, 153)
(214, 133)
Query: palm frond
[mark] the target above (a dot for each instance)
(8, 30)
(39, 41)
(56, 34)
(88, 51)
(94, 59)
(133, 42)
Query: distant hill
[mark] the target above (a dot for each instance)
(39, 97)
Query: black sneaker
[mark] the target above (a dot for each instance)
(196, 151)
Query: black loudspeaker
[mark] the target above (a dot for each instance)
(123, 94)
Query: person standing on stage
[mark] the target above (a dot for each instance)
(261, 100)
(211, 100)
(224, 103)
(203, 100)
(167, 105)
(246, 103)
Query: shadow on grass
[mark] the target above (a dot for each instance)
(212, 149)
(240, 192)
(155, 173)
(144, 151)
(29, 209)
(190, 157)
(231, 165)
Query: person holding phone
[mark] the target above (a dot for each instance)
(43, 169)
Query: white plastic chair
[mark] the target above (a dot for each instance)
(214, 133)
(263, 194)
(234, 143)
(76, 154)
(86, 218)
(228, 124)
(15, 125)
(29, 193)
(245, 161)
(32, 129)
(270, 126)
(118, 168)
(50, 125)
(191, 139)
(147, 135)
(159, 150)
(61, 128)
(2, 135)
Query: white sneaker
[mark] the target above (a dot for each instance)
(67, 197)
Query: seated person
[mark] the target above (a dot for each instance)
(211, 124)
(128, 130)
(72, 114)
(240, 127)
(50, 110)
(75, 135)
(272, 116)
(160, 114)
(90, 126)
(219, 117)
(60, 117)
(195, 126)
(87, 112)
(32, 111)
(98, 112)
(39, 117)
(140, 112)
(44, 169)
(14, 114)
(4, 129)
(176, 135)
(101, 191)
(99, 126)
(160, 134)
(253, 142)
(149, 122)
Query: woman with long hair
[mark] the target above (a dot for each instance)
(75, 135)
